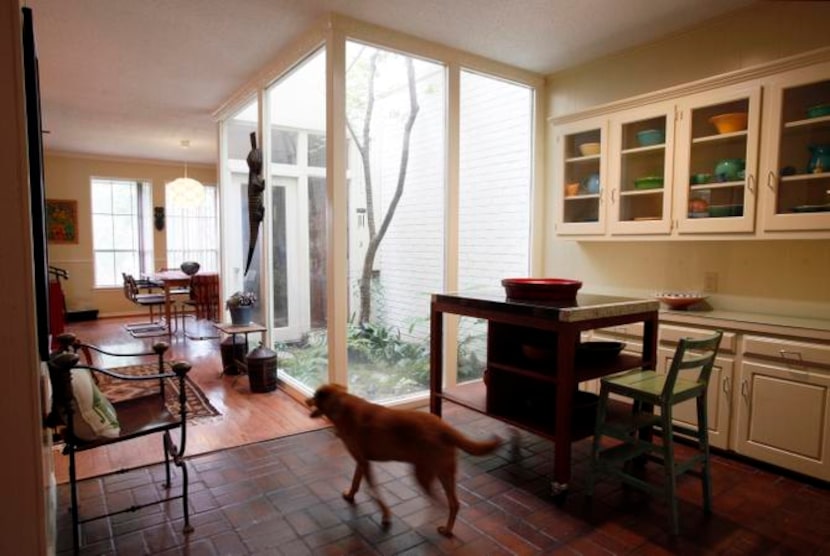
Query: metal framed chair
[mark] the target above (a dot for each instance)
(687, 378)
(137, 416)
(149, 300)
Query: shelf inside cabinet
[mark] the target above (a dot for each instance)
(720, 137)
(716, 185)
(635, 192)
(589, 158)
(586, 197)
(807, 122)
(647, 149)
(806, 177)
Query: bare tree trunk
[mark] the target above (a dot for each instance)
(376, 235)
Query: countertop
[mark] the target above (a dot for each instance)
(761, 323)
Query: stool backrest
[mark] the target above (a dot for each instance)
(693, 355)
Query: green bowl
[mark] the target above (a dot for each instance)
(818, 110)
(649, 182)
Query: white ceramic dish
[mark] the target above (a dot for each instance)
(680, 300)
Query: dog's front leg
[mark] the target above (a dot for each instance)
(358, 476)
(361, 470)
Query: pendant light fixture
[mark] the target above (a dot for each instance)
(187, 192)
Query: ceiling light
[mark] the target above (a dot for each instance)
(186, 192)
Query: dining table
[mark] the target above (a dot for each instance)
(170, 281)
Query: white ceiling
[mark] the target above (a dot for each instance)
(133, 78)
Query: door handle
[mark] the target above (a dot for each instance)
(745, 391)
(770, 180)
(725, 386)
(750, 183)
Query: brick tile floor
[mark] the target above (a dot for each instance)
(282, 497)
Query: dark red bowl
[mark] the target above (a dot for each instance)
(541, 289)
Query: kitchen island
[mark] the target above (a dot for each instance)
(532, 369)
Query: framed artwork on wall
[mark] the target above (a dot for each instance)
(61, 221)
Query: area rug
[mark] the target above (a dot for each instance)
(199, 409)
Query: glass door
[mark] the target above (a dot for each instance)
(580, 177)
(641, 170)
(296, 107)
(796, 174)
(717, 156)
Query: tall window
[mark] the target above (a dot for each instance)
(192, 231)
(121, 230)
(396, 115)
(495, 177)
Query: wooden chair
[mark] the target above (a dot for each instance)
(139, 416)
(205, 300)
(686, 379)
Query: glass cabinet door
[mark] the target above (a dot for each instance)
(715, 173)
(578, 177)
(641, 178)
(796, 178)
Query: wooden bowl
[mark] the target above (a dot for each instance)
(541, 289)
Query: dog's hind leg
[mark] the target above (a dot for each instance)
(448, 482)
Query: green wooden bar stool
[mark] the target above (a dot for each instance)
(687, 378)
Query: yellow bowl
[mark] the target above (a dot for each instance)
(589, 149)
(727, 123)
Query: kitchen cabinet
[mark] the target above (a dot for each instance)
(780, 189)
(795, 195)
(707, 198)
(783, 415)
(581, 177)
(640, 170)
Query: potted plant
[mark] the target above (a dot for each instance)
(241, 307)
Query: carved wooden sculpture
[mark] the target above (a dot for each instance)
(256, 190)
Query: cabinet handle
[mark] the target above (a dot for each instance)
(725, 386)
(613, 195)
(791, 354)
(770, 180)
(750, 183)
(745, 390)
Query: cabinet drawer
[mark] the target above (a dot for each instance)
(787, 352)
(672, 334)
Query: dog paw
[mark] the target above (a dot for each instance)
(348, 497)
(444, 531)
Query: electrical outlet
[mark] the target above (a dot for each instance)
(710, 282)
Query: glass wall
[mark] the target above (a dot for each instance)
(238, 226)
(495, 179)
(357, 222)
(395, 111)
(296, 105)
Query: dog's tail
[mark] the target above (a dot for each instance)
(474, 447)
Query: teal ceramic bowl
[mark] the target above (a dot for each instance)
(649, 137)
(700, 179)
(818, 110)
(648, 182)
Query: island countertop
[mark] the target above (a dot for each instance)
(587, 306)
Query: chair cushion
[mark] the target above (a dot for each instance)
(94, 416)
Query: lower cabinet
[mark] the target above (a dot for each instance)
(768, 398)
(783, 412)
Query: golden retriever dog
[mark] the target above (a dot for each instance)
(372, 432)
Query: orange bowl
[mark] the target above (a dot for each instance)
(727, 123)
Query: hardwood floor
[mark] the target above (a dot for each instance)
(246, 417)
